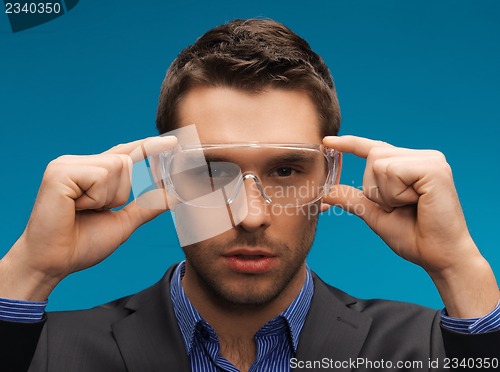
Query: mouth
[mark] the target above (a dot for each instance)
(250, 261)
(249, 253)
(248, 256)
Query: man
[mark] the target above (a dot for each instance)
(245, 299)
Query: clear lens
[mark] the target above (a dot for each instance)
(213, 176)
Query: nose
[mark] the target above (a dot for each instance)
(258, 216)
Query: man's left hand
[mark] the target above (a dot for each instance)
(409, 199)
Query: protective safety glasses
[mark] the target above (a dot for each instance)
(214, 175)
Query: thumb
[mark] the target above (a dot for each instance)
(145, 208)
(354, 201)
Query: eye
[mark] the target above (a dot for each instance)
(223, 170)
(219, 172)
(283, 172)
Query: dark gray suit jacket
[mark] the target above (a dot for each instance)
(139, 333)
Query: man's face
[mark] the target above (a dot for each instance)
(264, 256)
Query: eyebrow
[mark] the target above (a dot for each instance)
(292, 157)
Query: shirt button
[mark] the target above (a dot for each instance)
(204, 334)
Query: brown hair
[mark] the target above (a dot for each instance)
(252, 55)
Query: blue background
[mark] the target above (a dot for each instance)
(421, 74)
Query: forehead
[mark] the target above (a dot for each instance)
(226, 115)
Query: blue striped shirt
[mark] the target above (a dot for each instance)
(488, 323)
(276, 341)
(21, 311)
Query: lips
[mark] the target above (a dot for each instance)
(248, 257)
(249, 252)
(250, 261)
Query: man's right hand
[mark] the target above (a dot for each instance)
(71, 227)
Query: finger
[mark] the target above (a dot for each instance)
(358, 146)
(118, 161)
(90, 185)
(354, 201)
(395, 191)
(372, 183)
(118, 175)
(382, 223)
(126, 221)
(423, 174)
(146, 200)
(324, 207)
(120, 189)
(118, 180)
(101, 160)
(153, 199)
(141, 149)
(144, 209)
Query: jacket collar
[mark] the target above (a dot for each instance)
(149, 338)
(332, 329)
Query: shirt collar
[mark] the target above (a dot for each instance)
(186, 314)
(188, 317)
(295, 314)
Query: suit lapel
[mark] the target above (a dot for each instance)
(332, 330)
(149, 338)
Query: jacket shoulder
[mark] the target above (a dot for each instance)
(376, 307)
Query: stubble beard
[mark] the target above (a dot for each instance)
(255, 295)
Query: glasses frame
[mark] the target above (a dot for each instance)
(331, 155)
